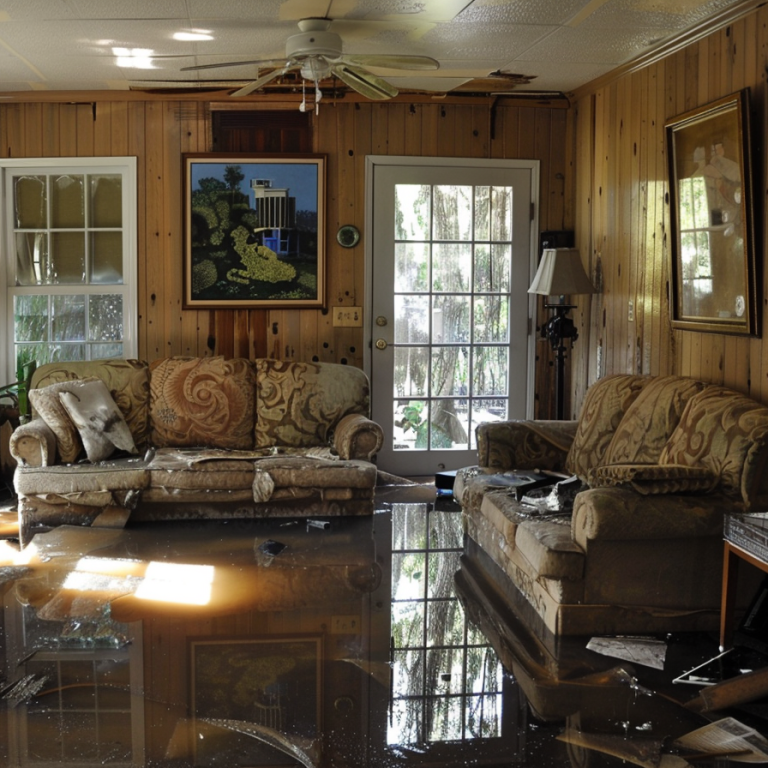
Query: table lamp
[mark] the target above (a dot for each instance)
(560, 272)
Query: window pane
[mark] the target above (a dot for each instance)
(450, 374)
(412, 203)
(486, 410)
(409, 526)
(410, 424)
(68, 318)
(452, 267)
(445, 623)
(68, 257)
(408, 624)
(30, 202)
(107, 257)
(30, 318)
(442, 568)
(32, 262)
(105, 351)
(491, 319)
(445, 721)
(452, 213)
(105, 318)
(411, 371)
(106, 200)
(483, 716)
(62, 353)
(450, 319)
(482, 213)
(411, 267)
(449, 424)
(408, 576)
(67, 202)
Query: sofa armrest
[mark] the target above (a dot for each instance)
(357, 437)
(524, 444)
(615, 514)
(33, 444)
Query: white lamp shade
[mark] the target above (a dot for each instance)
(560, 272)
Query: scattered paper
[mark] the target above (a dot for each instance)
(727, 738)
(648, 651)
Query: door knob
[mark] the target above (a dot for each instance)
(381, 344)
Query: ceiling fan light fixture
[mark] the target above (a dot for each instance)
(315, 68)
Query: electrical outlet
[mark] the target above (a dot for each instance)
(631, 311)
(345, 625)
(347, 317)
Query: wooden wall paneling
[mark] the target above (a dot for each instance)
(639, 213)
(446, 131)
(85, 120)
(34, 127)
(68, 127)
(153, 250)
(51, 130)
(119, 128)
(4, 132)
(13, 138)
(429, 114)
(136, 145)
(380, 130)
(102, 130)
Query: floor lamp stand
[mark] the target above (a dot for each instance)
(559, 330)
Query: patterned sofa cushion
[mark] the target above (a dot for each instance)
(650, 420)
(654, 478)
(727, 433)
(299, 404)
(605, 404)
(202, 401)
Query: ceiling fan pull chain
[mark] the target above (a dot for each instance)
(303, 105)
(318, 96)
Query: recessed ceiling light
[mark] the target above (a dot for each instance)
(193, 34)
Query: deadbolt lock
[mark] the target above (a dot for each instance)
(381, 344)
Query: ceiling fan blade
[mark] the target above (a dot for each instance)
(261, 63)
(391, 61)
(364, 83)
(263, 80)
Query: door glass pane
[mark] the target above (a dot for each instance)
(32, 262)
(411, 424)
(412, 211)
(449, 424)
(411, 371)
(68, 318)
(452, 213)
(411, 319)
(491, 319)
(452, 267)
(449, 371)
(106, 200)
(450, 319)
(501, 213)
(107, 257)
(68, 257)
(493, 266)
(67, 202)
(411, 266)
(482, 213)
(30, 202)
(490, 371)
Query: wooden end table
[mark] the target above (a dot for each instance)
(746, 538)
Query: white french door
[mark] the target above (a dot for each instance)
(450, 258)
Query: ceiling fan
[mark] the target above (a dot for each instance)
(317, 54)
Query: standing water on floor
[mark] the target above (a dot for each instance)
(334, 642)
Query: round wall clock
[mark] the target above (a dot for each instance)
(348, 236)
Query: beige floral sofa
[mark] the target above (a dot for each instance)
(661, 460)
(193, 438)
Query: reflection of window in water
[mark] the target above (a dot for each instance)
(447, 681)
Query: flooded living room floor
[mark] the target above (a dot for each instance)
(374, 641)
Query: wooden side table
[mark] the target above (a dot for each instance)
(746, 538)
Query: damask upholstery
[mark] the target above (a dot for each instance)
(641, 550)
(227, 438)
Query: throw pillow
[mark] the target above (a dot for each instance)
(654, 478)
(604, 406)
(202, 401)
(650, 420)
(99, 422)
(46, 402)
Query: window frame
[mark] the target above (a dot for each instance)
(126, 167)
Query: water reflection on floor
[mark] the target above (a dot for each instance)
(333, 642)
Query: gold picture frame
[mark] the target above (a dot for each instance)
(254, 231)
(713, 244)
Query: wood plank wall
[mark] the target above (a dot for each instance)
(157, 132)
(622, 213)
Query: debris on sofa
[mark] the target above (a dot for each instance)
(556, 499)
(648, 651)
(742, 689)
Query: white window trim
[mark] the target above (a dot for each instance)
(124, 165)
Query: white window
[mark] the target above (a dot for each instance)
(69, 242)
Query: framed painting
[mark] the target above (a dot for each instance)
(254, 231)
(254, 700)
(712, 248)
